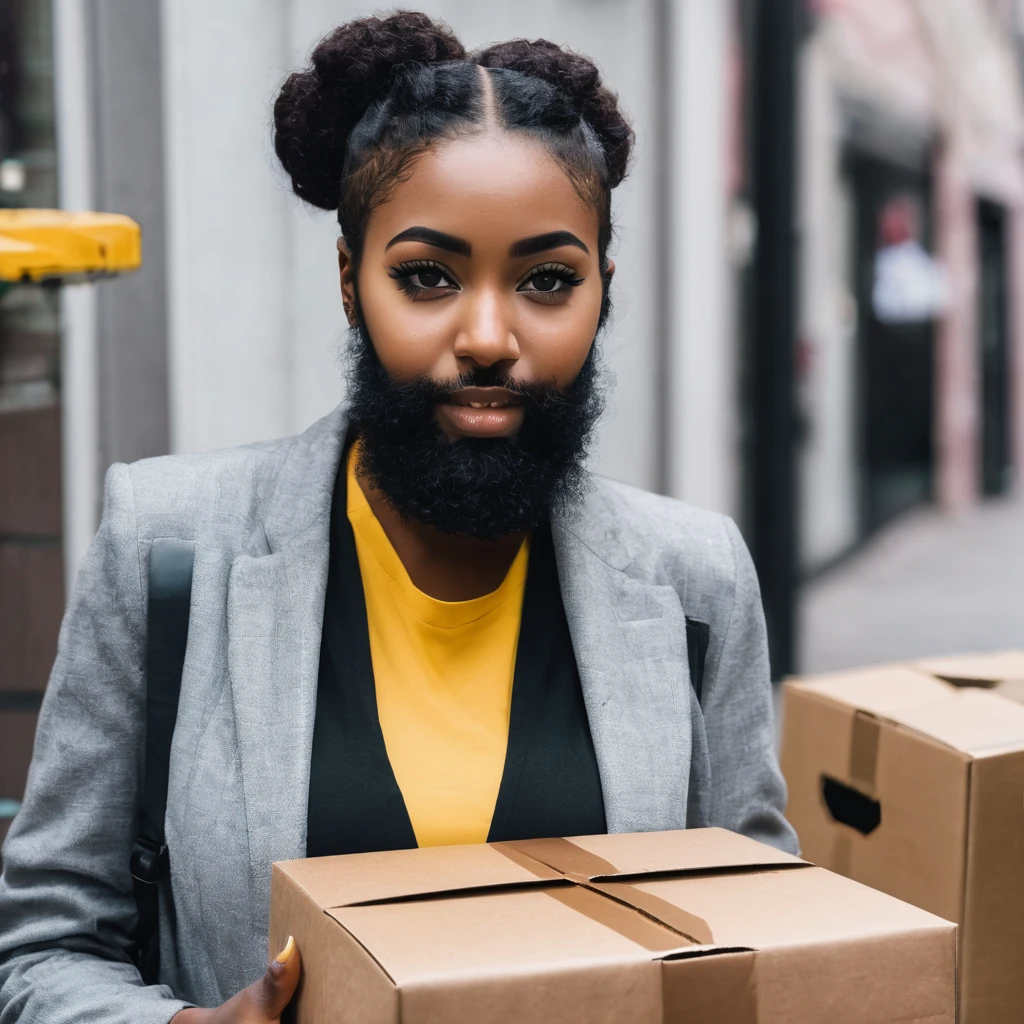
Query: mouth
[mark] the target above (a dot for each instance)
(481, 412)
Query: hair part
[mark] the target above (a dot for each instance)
(380, 92)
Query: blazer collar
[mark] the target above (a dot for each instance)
(275, 620)
(629, 636)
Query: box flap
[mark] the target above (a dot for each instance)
(976, 722)
(880, 690)
(509, 932)
(470, 904)
(356, 878)
(628, 855)
(773, 909)
(966, 719)
(555, 929)
(984, 669)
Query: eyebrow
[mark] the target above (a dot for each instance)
(438, 239)
(541, 243)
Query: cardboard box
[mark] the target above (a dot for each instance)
(915, 786)
(698, 927)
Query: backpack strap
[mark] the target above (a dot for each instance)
(170, 594)
(698, 637)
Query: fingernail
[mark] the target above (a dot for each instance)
(286, 954)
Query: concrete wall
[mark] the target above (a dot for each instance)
(703, 436)
(110, 154)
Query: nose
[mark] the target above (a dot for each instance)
(485, 337)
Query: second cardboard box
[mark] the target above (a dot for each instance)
(915, 786)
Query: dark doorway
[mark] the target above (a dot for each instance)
(896, 371)
(993, 346)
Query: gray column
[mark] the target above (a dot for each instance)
(132, 324)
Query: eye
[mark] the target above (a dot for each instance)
(424, 279)
(546, 282)
(550, 282)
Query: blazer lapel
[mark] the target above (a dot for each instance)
(629, 637)
(275, 622)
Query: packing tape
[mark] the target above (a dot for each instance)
(563, 856)
(717, 988)
(682, 921)
(619, 917)
(864, 750)
(632, 904)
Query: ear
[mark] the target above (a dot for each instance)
(347, 278)
(609, 271)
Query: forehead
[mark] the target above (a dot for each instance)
(488, 189)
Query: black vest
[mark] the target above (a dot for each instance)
(550, 784)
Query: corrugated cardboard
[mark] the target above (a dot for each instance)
(915, 786)
(701, 927)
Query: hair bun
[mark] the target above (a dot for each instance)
(578, 78)
(350, 68)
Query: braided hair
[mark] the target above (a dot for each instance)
(380, 91)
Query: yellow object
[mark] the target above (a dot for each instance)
(42, 245)
(443, 673)
(286, 954)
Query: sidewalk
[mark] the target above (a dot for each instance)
(929, 584)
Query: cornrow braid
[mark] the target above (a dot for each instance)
(578, 79)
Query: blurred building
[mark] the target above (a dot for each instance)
(904, 375)
(911, 339)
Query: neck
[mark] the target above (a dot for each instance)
(446, 568)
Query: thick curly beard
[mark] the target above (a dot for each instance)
(485, 488)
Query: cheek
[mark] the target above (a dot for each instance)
(412, 339)
(554, 341)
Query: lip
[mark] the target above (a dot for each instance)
(481, 412)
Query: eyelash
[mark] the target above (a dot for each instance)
(403, 275)
(564, 273)
(405, 272)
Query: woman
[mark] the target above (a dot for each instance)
(421, 621)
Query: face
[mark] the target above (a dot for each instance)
(484, 259)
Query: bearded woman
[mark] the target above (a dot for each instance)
(423, 621)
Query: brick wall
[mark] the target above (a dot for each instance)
(31, 581)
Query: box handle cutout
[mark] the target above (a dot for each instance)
(850, 807)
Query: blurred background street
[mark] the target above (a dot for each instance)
(927, 584)
(819, 300)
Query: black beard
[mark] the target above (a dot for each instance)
(485, 488)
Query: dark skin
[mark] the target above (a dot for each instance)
(510, 302)
(498, 305)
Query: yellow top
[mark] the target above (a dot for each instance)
(38, 245)
(443, 672)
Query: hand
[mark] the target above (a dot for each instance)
(262, 1002)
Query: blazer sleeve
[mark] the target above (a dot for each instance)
(66, 904)
(748, 794)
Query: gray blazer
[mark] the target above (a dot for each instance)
(632, 566)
